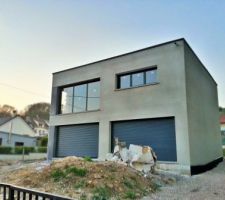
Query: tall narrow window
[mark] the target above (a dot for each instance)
(67, 100)
(93, 96)
(80, 98)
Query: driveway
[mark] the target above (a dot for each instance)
(209, 185)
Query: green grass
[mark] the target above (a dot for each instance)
(101, 193)
(128, 183)
(130, 195)
(59, 174)
(80, 184)
(88, 159)
(76, 171)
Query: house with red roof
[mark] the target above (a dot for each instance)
(222, 123)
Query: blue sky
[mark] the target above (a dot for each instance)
(44, 36)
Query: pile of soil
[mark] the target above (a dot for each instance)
(84, 179)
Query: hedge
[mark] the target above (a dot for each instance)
(42, 149)
(5, 150)
(19, 150)
(27, 150)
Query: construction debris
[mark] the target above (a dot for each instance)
(75, 177)
(141, 158)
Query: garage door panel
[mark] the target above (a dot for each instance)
(78, 140)
(157, 133)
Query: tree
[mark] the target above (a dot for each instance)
(44, 141)
(40, 110)
(7, 111)
(222, 110)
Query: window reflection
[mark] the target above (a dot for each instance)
(138, 79)
(125, 81)
(151, 76)
(135, 79)
(80, 98)
(66, 100)
(93, 96)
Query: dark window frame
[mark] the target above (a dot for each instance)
(143, 70)
(19, 144)
(59, 110)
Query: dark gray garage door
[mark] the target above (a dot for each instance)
(158, 133)
(77, 140)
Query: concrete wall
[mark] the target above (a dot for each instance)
(28, 141)
(167, 98)
(203, 112)
(18, 126)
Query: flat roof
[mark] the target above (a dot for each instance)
(132, 52)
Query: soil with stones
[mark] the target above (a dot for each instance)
(206, 186)
(84, 179)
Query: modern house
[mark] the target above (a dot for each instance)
(14, 131)
(161, 96)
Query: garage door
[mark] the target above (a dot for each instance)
(158, 133)
(77, 140)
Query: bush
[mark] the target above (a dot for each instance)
(42, 149)
(5, 150)
(44, 141)
(27, 150)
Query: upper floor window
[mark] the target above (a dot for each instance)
(137, 78)
(80, 98)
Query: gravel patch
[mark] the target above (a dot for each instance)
(209, 185)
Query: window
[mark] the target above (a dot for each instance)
(151, 76)
(137, 78)
(19, 144)
(80, 98)
(93, 96)
(125, 81)
(67, 100)
(0, 141)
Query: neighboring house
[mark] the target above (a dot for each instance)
(14, 131)
(161, 96)
(222, 124)
(39, 125)
(222, 129)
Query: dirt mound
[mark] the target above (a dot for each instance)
(83, 179)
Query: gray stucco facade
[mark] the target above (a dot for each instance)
(185, 91)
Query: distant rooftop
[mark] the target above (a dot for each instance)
(222, 119)
(3, 120)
